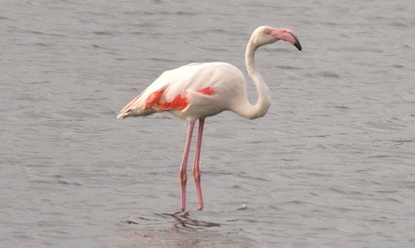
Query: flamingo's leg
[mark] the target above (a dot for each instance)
(183, 166)
(196, 165)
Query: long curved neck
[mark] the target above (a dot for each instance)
(260, 108)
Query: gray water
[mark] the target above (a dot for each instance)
(332, 164)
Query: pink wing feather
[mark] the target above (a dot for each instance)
(171, 90)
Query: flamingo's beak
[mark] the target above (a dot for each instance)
(287, 35)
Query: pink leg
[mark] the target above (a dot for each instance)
(182, 172)
(196, 169)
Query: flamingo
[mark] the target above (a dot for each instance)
(198, 90)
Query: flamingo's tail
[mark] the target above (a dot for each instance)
(135, 108)
(135, 112)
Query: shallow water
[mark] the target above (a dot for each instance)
(330, 165)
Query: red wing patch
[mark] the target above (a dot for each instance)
(178, 103)
(153, 99)
(207, 91)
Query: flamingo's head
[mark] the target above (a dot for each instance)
(267, 35)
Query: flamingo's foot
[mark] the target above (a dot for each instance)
(183, 218)
(130, 222)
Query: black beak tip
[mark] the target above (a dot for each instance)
(297, 43)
